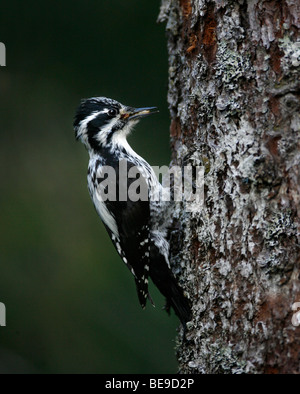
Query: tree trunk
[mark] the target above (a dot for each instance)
(234, 72)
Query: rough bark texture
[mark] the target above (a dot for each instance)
(234, 72)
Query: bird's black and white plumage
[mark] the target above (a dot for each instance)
(102, 125)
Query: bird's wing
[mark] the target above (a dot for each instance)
(132, 241)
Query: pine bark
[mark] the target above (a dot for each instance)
(234, 88)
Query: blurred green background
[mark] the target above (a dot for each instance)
(71, 303)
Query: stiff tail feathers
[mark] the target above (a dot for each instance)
(179, 302)
(166, 283)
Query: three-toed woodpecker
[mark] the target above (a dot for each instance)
(102, 125)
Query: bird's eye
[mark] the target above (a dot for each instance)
(112, 112)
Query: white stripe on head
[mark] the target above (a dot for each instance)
(102, 136)
(81, 132)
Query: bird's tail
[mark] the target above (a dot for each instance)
(166, 283)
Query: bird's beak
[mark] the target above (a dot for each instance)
(137, 113)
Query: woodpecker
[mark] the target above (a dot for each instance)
(134, 225)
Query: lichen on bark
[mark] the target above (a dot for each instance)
(234, 72)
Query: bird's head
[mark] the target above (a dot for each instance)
(101, 122)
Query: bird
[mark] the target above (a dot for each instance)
(133, 224)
